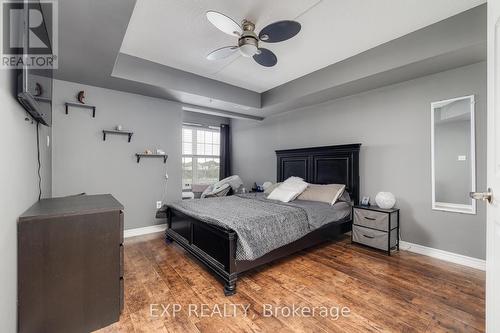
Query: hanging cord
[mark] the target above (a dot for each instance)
(39, 163)
(165, 179)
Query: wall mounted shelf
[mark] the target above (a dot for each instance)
(117, 132)
(43, 99)
(78, 105)
(140, 155)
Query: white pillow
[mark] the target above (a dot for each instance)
(282, 195)
(295, 184)
(295, 180)
(288, 190)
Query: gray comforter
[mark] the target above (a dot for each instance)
(262, 225)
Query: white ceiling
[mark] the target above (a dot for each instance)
(177, 34)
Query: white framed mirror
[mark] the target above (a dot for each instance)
(453, 155)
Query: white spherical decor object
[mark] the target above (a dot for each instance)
(385, 200)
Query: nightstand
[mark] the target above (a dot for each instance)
(376, 227)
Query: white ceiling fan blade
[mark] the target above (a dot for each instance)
(222, 53)
(224, 23)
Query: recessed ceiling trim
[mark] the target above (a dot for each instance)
(459, 32)
(83, 20)
(177, 34)
(222, 113)
(137, 69)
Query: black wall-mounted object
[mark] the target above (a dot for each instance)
(117, 132)
(215, 246)
(84, 106)
(34, 85)
(140, 155)
(70, 264)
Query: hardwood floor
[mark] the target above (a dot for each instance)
(402, 293)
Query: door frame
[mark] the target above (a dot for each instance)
(493, 169)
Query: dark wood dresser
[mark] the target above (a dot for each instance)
(70, 264)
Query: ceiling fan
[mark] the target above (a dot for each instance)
(248, 41)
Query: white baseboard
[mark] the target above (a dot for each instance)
(444, 255)
(144, 231)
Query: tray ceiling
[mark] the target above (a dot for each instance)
(177, 34)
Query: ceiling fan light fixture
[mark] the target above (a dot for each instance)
(248, 50)
(248, 44)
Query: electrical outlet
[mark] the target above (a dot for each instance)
(158, 204)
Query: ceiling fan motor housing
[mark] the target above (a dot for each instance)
(248, 42)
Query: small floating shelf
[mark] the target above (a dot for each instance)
(140, 155)
(43, 99)
(78, 105)
(117, 132)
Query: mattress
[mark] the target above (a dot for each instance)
(263, 225)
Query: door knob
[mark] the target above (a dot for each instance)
(485, 196)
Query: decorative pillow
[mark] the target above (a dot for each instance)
(345, 197)
(294, 179)
(282, 195)
(322, 193)
(295, 184)
(216, 190)
(288, 190)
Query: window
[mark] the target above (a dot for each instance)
(200, 156)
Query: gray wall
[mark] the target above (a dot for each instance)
(393, 124)
(83, 162)
(18, 189)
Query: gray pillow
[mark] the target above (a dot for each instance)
(220, 191)
(345, 197)
(322, 193)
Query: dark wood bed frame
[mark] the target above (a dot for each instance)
(215, 247)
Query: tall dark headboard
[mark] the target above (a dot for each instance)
(322, 165)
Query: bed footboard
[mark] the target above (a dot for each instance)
(215, 247)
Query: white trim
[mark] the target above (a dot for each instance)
(144, 231)
(456, 208)
(444, 255)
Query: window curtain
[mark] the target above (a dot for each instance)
(225, 151)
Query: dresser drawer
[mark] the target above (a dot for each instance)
(374, 219)
(122, 294)
(374, 238)
(121, 260)
(121, 227)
